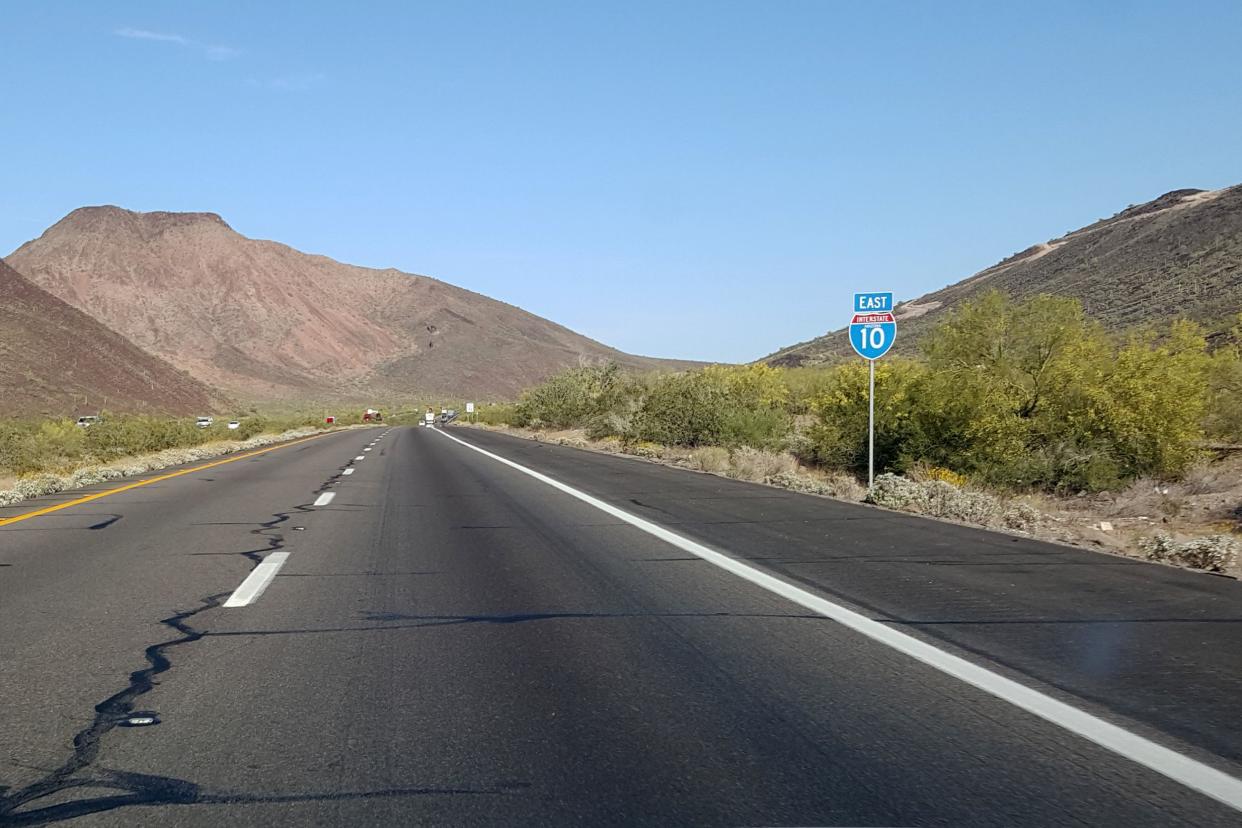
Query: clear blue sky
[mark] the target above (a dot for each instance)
(707, 180)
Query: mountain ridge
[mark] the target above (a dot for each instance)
(266, 321)
(1179, 254)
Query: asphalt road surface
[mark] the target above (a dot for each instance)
(447, 639)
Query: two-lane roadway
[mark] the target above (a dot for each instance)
(412, 626)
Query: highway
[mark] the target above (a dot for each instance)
(411, 626)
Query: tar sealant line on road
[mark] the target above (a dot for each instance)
(257, 580)
(1165, 761)
(324, 499)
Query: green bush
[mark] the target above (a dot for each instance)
(503, 414)
(716, 406)
(1223, 420)
(1025, 395)
(572, 397)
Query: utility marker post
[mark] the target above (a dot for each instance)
(872, 332)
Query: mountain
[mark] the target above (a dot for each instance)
(265, 321)
(56, 360)
(1179, 255)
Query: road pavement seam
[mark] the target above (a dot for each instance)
(1169, 763)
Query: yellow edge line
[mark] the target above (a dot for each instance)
(88, 498)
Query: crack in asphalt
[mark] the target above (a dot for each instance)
(138, 789)
(108, 714)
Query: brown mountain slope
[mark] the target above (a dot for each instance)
(267, 321)
(56, 360)
(1179, 255)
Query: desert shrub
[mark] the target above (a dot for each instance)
(608, 424)
(643, 448)
(762, 428)
(683, 410)
(251, 426)
(842, 486)
(1148, 401)
(893, 491)
(32, 447)
(838, 438)
(140, 434)
(1025, 395)
(38, 485)
(1021, 516)
(758, 466)
(497, 414)
(922, 472)
(936, 498)
(710, 459)
(729, 406)
(1218, 553)
(573, 396)
(1223, 420)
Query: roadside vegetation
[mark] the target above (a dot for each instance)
(39, 457)
(31, 446)
(1007, 404)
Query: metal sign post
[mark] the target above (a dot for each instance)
(871, 429)
(872, 332)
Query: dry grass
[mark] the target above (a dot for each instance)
(1209, 478)
(712, 459)
(760, 466)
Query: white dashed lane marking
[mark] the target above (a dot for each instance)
(257, 580)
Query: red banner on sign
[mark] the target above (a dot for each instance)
(872, 318)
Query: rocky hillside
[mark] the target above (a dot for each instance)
(1179, 255)
(57, 361)
(265, 321)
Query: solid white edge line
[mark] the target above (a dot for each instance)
(257, 580)
(324, 499)
(348, 471)
(1167, 762)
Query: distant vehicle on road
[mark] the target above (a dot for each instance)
(429, 418)
(234, 424)
(204, 422)
(87, 421)
(372, 415)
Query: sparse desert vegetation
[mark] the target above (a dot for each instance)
(39, 457)
(1011, 406)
